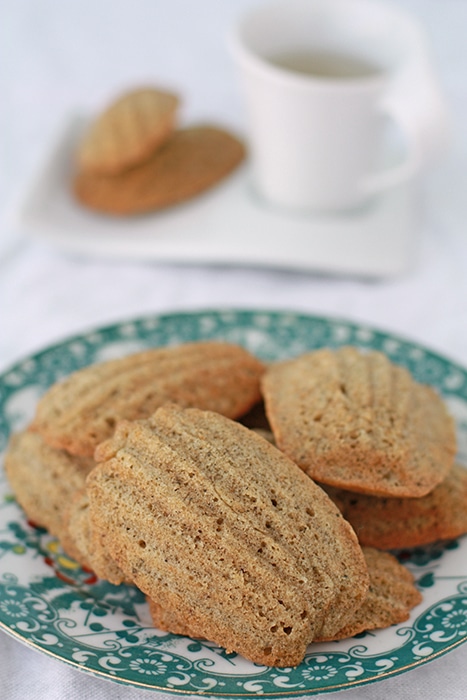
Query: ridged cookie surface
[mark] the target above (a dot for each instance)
(391, 596)
(80, 543)
(395, 523)
(215, 524)
(81, 411)
(360, 422)
(128, 131)
(191, 161)
(43, 479)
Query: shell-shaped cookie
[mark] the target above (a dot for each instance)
(128, 131)
(191, 161)
(169, 621)
(75, 539)
(81, 411)
(44, 479)
(360, 422)
(214, 523)
(80, 542)
(391, 596)
(397, 523)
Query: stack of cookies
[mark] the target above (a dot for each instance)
(133, 159)
(47, 463)
(381, 444)
(147, 471)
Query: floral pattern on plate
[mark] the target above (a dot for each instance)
(55, 606)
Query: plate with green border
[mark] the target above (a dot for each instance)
(53, 605)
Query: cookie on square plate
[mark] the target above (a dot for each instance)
(191, 161)
(129, 130)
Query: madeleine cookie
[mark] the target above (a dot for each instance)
(128, 131)
(190, 161)
(218, 526)
(75, 538)
(81, 411)
(43, 479)
(359, 422)
(395, 523)
(169, 621)
(391, 596)
(79, 542)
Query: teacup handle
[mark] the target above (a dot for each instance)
(416, 104)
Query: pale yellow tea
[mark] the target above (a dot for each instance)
(329, 65)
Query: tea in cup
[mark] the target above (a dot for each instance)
(321, 80)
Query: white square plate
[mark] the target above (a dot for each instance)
(226, 225)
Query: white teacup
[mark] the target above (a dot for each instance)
(321, 78)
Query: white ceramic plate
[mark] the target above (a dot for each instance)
(51, 604)
(225, 225)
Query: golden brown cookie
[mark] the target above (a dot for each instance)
(394, 523)
(128, 131)
(360, 422)
(218, 526)
(44, 480)
(191, 161)
(390, 598)
(75, 535)
(81, 411)
(79, 541)
(169, 621)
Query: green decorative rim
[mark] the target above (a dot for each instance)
(54, 606)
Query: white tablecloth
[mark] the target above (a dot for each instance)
(57, 57)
